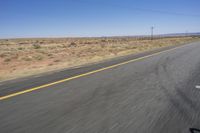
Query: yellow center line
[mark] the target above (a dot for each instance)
(82, 75)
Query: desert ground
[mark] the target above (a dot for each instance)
(26, 57)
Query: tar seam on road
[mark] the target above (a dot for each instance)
(84, 74)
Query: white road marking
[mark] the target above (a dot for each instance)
(113, 126)
(197, 86)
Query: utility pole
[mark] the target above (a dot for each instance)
(152, 28)
(186, 33)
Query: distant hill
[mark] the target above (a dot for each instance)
(157, 35)
(180, 34)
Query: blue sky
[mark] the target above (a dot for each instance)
(68, 18)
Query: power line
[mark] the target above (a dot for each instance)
(152, 28)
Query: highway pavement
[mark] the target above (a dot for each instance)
(151, 92)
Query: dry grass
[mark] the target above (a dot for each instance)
(24, 57)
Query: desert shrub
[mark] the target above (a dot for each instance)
(38, 57)
(64, 46)
(20, 48)
(51, 64)
(56, 60)
(102, 45)
(41, 42)
(36, 46)
(26, 59)
(103, 40)
(7, 60)
(42, 51)
(72, 44)
(2, 55)
(49, 54)
(88, 43)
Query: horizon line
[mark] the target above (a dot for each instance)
(107, 36)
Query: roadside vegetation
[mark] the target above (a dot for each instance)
(25, 57)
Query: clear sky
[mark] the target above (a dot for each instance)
(68, 18)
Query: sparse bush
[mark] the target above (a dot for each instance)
(27, 59)
(20, 48)
(36, 46)
(38, 57)
(102, 45)
(64, 46)
(103, 40)
(3, 55)
(56, 60)
(73, 44)
(41, 42)
(50, 55)
(7, 60)
(51, 64)
(88, 42)
(21, 43)
(42, 51)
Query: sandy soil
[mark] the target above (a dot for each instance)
(25, 57)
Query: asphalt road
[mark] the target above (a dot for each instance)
(157, 94)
